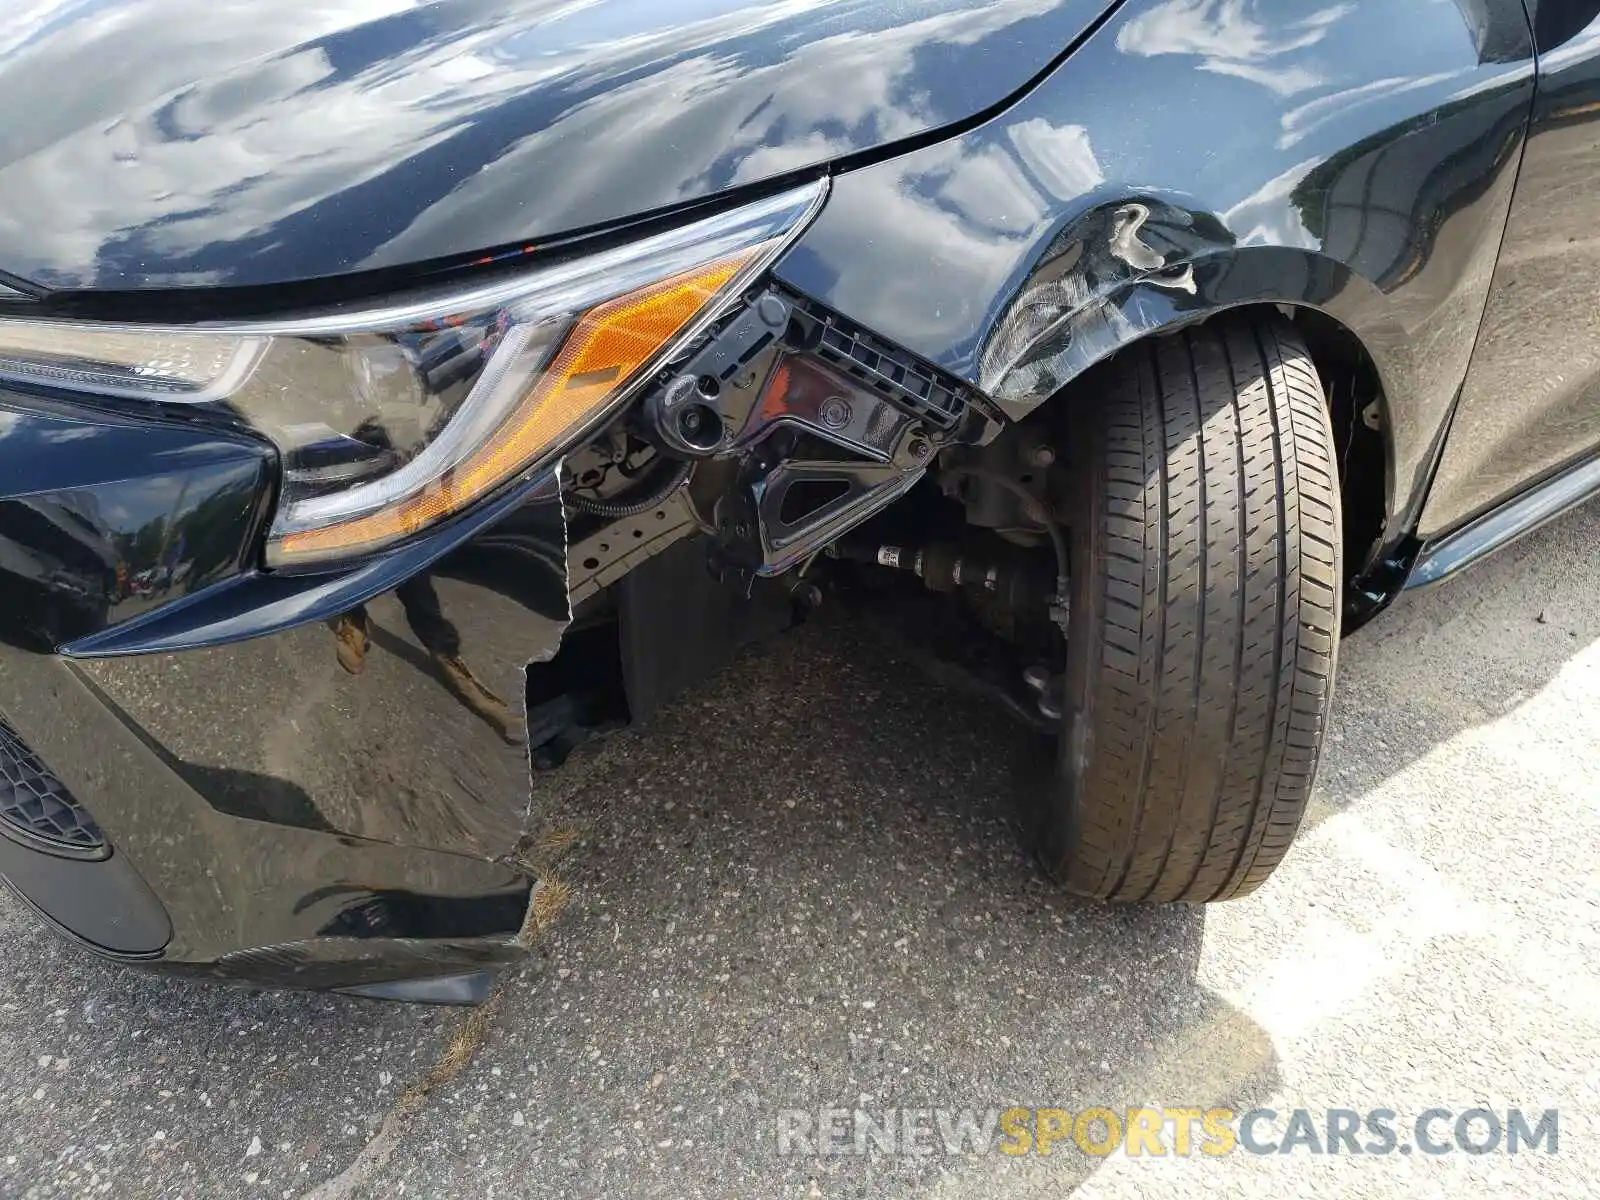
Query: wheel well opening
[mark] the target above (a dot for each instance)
(1358, 414)
(1361, 432)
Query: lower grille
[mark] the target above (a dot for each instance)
(36, 808)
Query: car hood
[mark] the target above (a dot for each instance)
(182, 143)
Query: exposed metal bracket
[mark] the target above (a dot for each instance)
(762, 533)
(609, 553)
(816, 401)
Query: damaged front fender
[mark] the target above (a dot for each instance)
(1190, 156)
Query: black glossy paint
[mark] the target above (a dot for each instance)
(104, 519)
(104, 903)
(279, 816)
(525, 557)
(189, 143)
(1531, 403)
(252, 869)
(1287, 151)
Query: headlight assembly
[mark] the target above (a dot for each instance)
(389, 420)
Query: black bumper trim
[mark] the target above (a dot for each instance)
(103, 904)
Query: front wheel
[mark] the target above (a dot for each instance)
(1203, 633)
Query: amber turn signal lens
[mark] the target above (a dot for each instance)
(604, 353)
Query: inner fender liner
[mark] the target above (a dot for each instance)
(670, 645)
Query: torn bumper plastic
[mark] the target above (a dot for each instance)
(316, 780)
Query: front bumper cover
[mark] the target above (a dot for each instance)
(270, 815)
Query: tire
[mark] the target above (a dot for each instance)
(1203, 633)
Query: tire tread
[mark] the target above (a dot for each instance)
(1205, 628)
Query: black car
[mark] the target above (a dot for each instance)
(395, 398)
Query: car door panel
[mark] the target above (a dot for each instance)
(1530, 404)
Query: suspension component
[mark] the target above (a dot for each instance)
(1020, 581)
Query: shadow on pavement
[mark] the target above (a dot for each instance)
(117, 1082)
(803, 887)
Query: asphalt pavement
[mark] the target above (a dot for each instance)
(803, 888)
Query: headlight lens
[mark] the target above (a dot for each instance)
(390, 420)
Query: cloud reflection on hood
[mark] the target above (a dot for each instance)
(368, 133)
